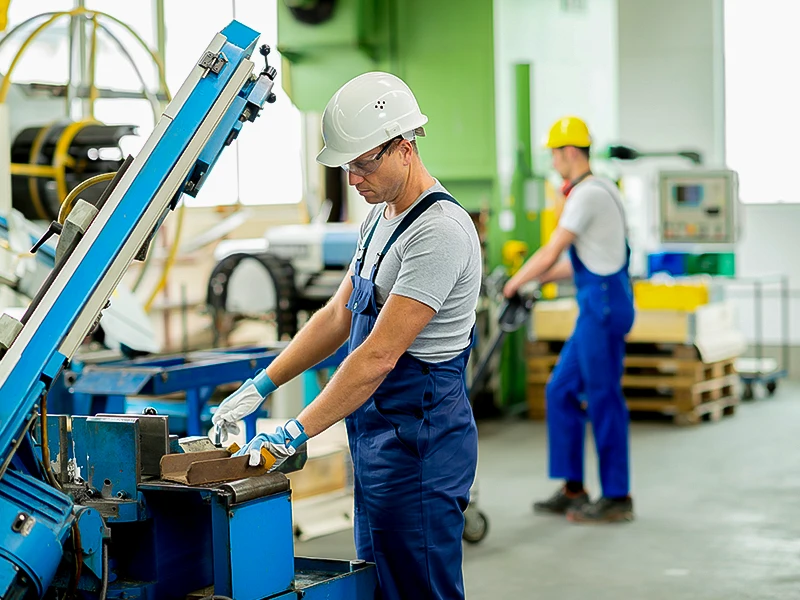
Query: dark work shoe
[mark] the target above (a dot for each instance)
(605, 510)
(561, 502)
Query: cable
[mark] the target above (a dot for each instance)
(48, 469)
(72, 197)
(173, 254)
(104, 580)
(76, 542)
(216, 597)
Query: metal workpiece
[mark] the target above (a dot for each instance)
(196, 443)
(256, 487)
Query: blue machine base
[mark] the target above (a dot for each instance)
(317, 578)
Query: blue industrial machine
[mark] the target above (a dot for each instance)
(83, 511)
(127, 386)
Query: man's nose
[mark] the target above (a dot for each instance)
(354, 179)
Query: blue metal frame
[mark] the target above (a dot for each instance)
(104, 388)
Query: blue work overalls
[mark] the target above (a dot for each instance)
(590, 367)
(414, 445)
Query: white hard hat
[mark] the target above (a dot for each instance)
(367, 111)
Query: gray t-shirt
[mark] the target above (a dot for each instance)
(437, 261)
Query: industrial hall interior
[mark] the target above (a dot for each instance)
(399, 300)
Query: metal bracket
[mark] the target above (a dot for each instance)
(213, 62)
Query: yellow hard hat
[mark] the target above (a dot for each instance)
(568, 131)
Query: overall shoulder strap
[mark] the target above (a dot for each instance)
(363, 246)
(412, 216)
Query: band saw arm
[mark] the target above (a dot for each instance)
(97, 243)
(218, 97)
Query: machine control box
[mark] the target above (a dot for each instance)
(698, 206)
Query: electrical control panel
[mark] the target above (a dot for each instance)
(698, 206)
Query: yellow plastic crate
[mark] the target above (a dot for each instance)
(649, 295)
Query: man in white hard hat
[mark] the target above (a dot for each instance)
(408, 309)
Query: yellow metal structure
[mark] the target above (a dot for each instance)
(549, 216)
(568, 131)
(686, 295)
(4, 4)
(514, 253)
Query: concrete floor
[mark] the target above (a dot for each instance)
(718, 515)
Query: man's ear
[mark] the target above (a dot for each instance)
(408, 152)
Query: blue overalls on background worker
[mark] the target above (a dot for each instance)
(407, 308)
(587, 381)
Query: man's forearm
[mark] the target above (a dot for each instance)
(323, 335)
(561, 270)
(537, 265)
(355, 381)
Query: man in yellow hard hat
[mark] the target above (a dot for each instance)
(586, 382)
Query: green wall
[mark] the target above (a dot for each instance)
(450, 69)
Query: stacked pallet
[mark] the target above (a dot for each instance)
(670, 379)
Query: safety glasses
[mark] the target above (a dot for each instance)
(367, 166)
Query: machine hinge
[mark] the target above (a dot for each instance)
(213, 62)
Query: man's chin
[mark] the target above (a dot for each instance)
(370, 197)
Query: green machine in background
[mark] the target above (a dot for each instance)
(444, 50)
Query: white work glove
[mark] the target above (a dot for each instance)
(241, 403)
(282, 444)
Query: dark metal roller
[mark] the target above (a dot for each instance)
(256, 487)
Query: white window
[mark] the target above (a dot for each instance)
(263, 166)
(761, 128)
(45, 60)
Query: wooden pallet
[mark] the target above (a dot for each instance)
(672, 381)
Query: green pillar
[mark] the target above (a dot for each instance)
(525, 203)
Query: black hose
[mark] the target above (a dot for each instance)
(104, 580)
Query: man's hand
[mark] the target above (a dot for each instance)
(241, 403)
(282, 444)
(510, 288)
(541, 261)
